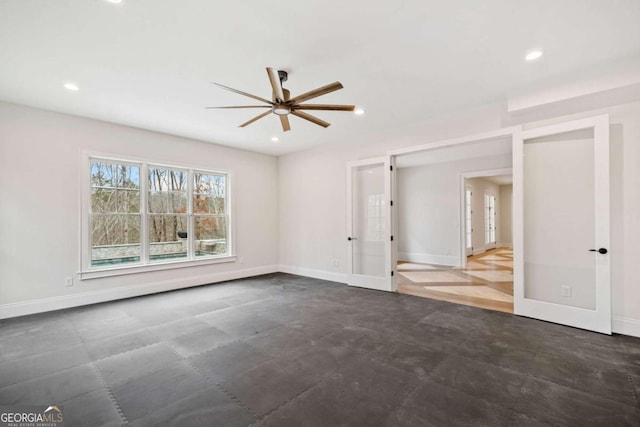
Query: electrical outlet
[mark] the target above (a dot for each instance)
(241, 260)
(335, 262)
(68, 281)
(565, 291)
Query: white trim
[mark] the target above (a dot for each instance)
(166, 265)
(448, 260)
(86, 298)
(126, 158)
(485, 136)
(330, 276)
(477, 251)
(393, 228)
(488, 172)
(626, 326)
(462, 213)
(504, 245)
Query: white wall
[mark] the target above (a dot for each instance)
(428, 206)
(506, 215)
(40, 159)
(311, 237)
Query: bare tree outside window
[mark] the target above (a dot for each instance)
(167, 207)
(174, 226)
(115, 213)
(210, 214)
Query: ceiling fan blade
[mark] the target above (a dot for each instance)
(242, 93)
(327, 107)
(312, 119)
(276, 84)
(317, 92)
(242, 106)
(284, 121)
(258, 117)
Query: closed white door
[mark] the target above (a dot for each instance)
(369, 224)
(561, 235)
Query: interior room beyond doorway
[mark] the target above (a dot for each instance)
(454, 222)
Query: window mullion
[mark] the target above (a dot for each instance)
(190, 219)
(144, 222)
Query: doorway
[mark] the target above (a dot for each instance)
(568, 206)
(448, 210)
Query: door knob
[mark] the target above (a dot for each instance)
(601, 250)
(351, 238)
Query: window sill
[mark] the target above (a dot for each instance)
(168, 265)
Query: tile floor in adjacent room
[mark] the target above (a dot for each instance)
(486, 281)
(283, 350)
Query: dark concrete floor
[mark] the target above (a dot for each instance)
(283, 350)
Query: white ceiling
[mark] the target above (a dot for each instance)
(148, 63)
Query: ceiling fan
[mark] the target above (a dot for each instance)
(282, 104)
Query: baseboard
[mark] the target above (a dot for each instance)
(504, 245)
(112, 294)
(477, 251)
(330, 276)
(625, 326)
(429, 259)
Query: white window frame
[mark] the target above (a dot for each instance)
(488, 219)
(89, 272)
(468, 219)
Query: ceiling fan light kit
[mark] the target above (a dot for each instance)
(282, 104)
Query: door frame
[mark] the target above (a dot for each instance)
(461, 212)
(598, 320)
(386, 283)
(467, 139)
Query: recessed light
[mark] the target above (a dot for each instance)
(275, 139)
(359, 112)
(71, 86)
(533, 55)
(114, 1)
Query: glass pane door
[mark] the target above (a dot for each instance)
(368, 220)
(561, 241)
(559, 219)
(369, 236)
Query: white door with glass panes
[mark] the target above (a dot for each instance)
(561, 234)
(369, 223)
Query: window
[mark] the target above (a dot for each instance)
(209, 210)
(167, 217)
(467, 219)
(489, 218)
(115, 216)
(143, 214)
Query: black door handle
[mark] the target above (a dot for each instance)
(601, 250)
(351, 238)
